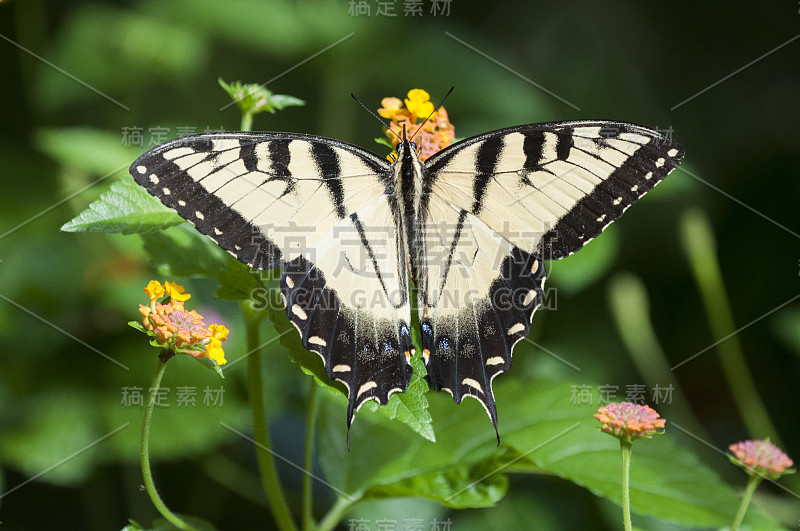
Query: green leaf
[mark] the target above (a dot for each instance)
(405, 462)
(138, 326)
(209, 364)
(384, 142)
(94, 151)
(457, 487)
(126, 208)
(309, 362)
(541, 432)
(239, 282)
(281, 101)
(252, 98)
(667, 481)
(183, 252)
(411, 407)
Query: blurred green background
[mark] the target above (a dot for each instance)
(79, 77)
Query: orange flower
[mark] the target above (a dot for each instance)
(179, 330)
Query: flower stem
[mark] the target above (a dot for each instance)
(266, 464)
(625, 447)
(145, 452)
(335, 514)
(308, 509)
(701, 249)
(752, 483)
(247, 121)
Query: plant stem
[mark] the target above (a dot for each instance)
(247, 121)
(308, 509)
(625, 447)
(145, 452)
(752, 483)
(701, 248)
(266, 464)
(335, 514)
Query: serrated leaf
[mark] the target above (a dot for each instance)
(127, 209)
(181, 251)
(411, 407)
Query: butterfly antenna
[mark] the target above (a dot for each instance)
(431, 114)
(375, 115)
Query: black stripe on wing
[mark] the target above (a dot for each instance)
(171, 185)
(466, 351)
(368, 357)
(637, 175)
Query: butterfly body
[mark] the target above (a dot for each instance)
(471, 227)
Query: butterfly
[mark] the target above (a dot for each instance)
(471, 227)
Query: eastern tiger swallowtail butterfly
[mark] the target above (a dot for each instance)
(470, 226)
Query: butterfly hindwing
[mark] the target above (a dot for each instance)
(477, 294)
(312, 206)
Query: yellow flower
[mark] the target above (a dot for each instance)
(218, 331)
(214, 351)
(176, 292)
(154, 290)
(418, 103)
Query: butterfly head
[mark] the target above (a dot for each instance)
(407, 150)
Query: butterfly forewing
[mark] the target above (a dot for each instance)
(320, 209)
(553, 186)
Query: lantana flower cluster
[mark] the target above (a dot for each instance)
(761, 457)
(629, 421)
(437, 132)
(178, 330)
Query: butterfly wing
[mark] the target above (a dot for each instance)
(506, 200)
(306, 204)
